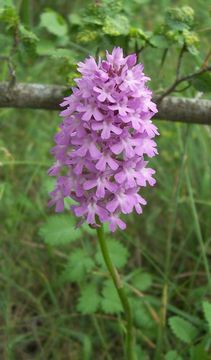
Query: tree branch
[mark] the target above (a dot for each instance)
(48, 97)
(178, 81)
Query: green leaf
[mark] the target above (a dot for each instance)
(207, 312)
(118, 253)
(4, 3)
(172, 355)
(202, 82)
(45, 47)
(79, 264)
(54, 23)
(198, 352)
(180, 18)
(142, 2)
(184, 330)
(142, 317)
(115, 26)
(27, 36)
(87, 36)
(9, 16)
(74, 19)
(110, 302)
(59, 230)
(63, 54)
(89, 299)
(192, 49)
(159, 41)
(139, 33)
(142, 280)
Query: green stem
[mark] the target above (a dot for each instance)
(130, 341)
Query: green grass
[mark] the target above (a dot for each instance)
(171, 241)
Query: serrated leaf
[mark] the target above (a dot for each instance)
(59, 230)
(89, 300)
(54, 23)
(118, 253)
(173, 355)
(142, 280)
(79, 264)
(142, 317)
(207, 312)
(110, 302)
(183, 329)
(115, 26)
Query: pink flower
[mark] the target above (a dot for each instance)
(103, 140)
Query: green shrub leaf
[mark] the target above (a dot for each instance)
(110, 302)
(78, 265)
(173, 355)
(115, 26)
(54, 23)
(142, 280)
(59, 230)
(207, 312)
(183, 329)
(118, 253)
(89, 299)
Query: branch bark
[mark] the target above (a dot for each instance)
(48, 97)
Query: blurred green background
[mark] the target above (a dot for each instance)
(56, 301)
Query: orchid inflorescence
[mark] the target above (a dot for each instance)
(103, 140)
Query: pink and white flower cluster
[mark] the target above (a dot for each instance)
(103, 140)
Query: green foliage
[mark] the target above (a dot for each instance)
(207, 313)
(198, 352)
(142, 317)
(183, 329)
(89, 300)
(59, 230)
(180, 18)
(110, 302)
(160, 41)
(141, 280)
(116, 26)
(202, 82)
(118, 253)
(27, 36)
(178, 29)
(9, 16)
(173, 355)
(54, 23)
(79, 264)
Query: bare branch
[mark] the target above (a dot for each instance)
(178, 81)
(34, 96)
(48, 97)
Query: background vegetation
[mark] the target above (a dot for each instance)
(56, 301)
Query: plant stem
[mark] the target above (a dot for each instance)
(130, 341)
